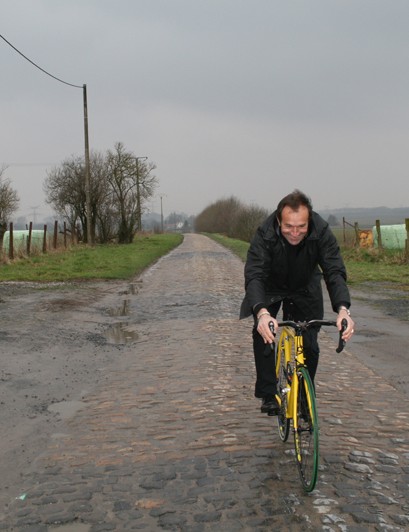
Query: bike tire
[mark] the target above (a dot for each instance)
(306, 432)
(283, 423)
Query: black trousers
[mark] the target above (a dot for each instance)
(264, 354)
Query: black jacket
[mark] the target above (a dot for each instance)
(267, 276)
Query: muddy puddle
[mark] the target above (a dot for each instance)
(121, 333)
(122, 310)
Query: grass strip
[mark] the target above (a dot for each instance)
(363, 265)
(108, 261)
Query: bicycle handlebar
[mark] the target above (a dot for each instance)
(304, 325)
(341, 342)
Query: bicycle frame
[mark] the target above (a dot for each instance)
(288, 337)
(297, 397)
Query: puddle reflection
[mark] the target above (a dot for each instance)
(123, 310)
(119, 333)
(134, 287)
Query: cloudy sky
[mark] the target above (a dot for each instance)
(250, 98)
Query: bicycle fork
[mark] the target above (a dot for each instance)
(292, 399)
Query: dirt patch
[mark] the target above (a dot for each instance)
(56, 348)
(392, 300)
(381, 313)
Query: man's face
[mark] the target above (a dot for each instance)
(294, 224)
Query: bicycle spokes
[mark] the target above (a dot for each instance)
(283, 390)
(297, 394)
(306, 431)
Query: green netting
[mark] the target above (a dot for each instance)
(20, 239)
(393, 236)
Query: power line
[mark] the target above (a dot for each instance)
(87, 163)
(30, 164)
(42, 69)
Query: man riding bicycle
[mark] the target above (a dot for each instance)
(287, 258)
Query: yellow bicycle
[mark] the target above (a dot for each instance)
(296, 392)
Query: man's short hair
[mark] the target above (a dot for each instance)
(294, 200)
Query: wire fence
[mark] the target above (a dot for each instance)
(19, 243)
(382, 237)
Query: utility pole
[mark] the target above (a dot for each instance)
(138, 193)
(87, 170)
(34, 214)
(87, 166)
(161, 214)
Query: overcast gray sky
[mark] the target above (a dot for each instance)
(250, 98)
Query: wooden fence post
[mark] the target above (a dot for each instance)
(30, 232)
(343, 229)
(11, 243)
(45, 239)
(356, 234)
(65, 235)
(407, 240)
(379, 233)
(55, 236)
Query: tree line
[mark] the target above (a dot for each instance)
(9, 201)
(232, 218)
(120, 186)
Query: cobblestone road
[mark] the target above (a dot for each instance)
(174, 439)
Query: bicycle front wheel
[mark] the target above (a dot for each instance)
(282, 389)
(306, 436)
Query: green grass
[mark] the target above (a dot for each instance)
(238, 247)
(363, 265)
(86, 263)
(373, 266)
(124, 261)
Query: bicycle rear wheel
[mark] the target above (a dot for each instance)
(283, 387)
(306, 436)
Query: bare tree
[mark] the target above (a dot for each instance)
(132, 184)
(146, 185)
(219, 217)
(65, 192)
(64, 188)
(9, 202)
(247, 221)
(179, 221)
(232, 218)
(103, 215)
(120, 186)
(120, 177)
(174, 220)
(333, 220)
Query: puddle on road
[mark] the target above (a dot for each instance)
(134, 287)
(122, 310)
(120, 333)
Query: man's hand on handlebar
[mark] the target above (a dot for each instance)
(349, 330)
(264, 319)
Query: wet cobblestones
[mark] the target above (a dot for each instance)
(174, 440)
